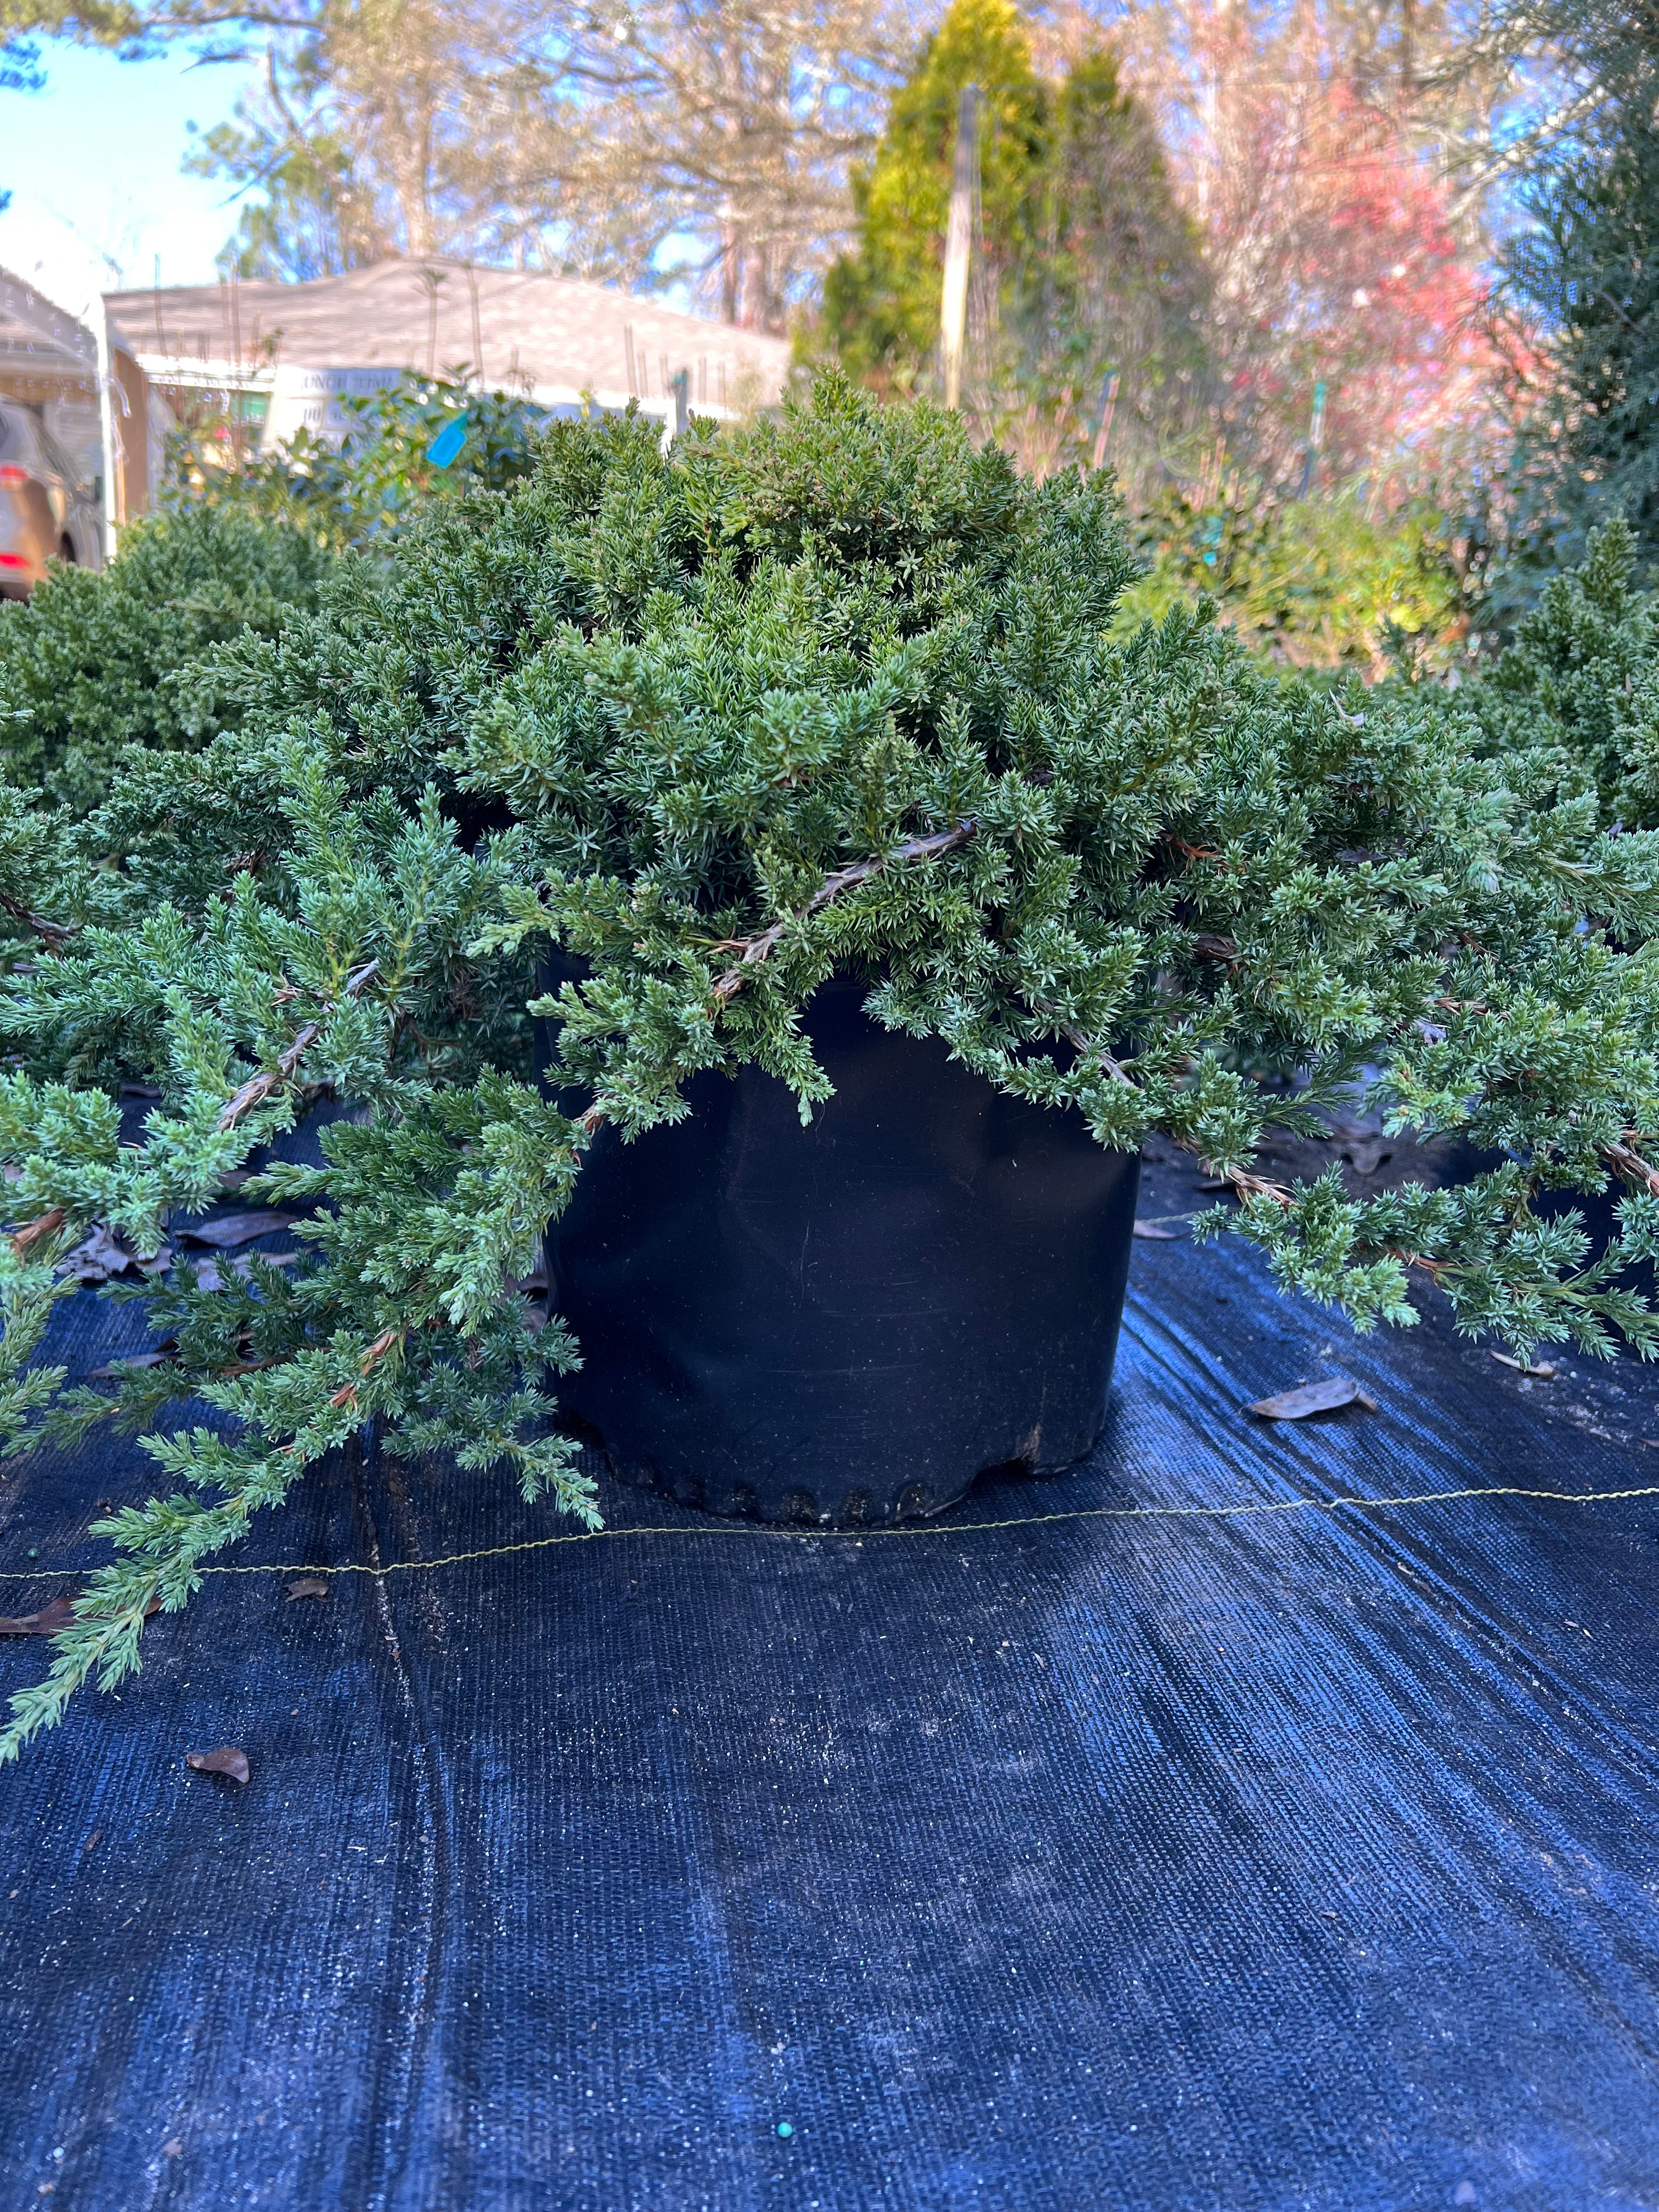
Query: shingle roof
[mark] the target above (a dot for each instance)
(43, 353)
(555, 335)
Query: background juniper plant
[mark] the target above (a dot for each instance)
(95, 662)
(1573, 703)
(837, 692)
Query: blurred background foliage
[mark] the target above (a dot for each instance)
(1357, 297)
(394, 461)
(1317, 583)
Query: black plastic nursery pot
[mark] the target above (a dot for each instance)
(846, 1322)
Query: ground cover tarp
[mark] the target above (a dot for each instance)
(1242, 1862)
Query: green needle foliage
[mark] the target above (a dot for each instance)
(835, 693)
(95, 661)
(1576, 695)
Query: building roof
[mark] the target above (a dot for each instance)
(553, 336)
(43, 353)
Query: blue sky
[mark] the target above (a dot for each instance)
(91, 164)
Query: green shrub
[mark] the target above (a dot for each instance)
(96, 661)
(835, 693)
(1317, 584)
(1576, 695)
(380, 478)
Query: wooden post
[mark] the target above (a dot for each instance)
(959, 244)
(1109, 407)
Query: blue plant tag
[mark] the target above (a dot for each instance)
(448, 443)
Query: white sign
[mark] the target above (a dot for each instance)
(309, 399)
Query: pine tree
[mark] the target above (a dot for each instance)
(838, 693)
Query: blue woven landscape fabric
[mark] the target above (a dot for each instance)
(1297, 1862)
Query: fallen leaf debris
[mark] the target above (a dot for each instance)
(1323, 1397)
(234, 1228)
(1543, 1370)
(48, 1622)
(229, 1760)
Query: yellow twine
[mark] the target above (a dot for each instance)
(939, 1528)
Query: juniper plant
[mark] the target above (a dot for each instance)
(95, 662)
(835, 693)
(1576, 698)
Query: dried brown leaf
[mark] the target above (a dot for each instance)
(48, 1622)
(219, 1273)
(58, 1614)
(1365, 1155)
(112, 1372)
(229, 1759)
(306, 1586)
(97, 1257)
(243, 1262)
(234, 1228)
(1313, 1398)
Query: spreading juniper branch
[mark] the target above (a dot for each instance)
(259, 1087)
(451, 1285)
(165, 1541)
(50, 933)
(1245, 1183)
(759, 947)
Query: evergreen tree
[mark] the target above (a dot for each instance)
(838, 693)
(1586, 268)
(881, 306)
(315, 220)
(1086, 262)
